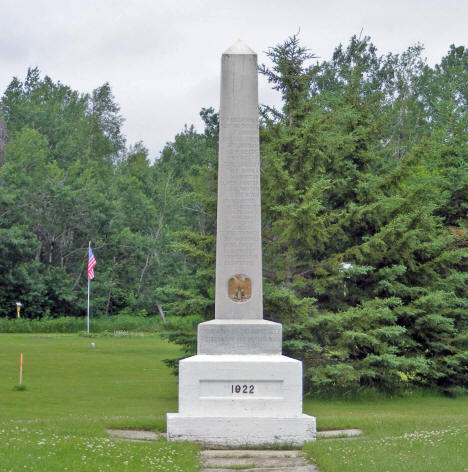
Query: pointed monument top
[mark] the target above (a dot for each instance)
(239, 48)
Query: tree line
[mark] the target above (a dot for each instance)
(364, 213)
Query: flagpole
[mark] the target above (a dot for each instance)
(89, 288)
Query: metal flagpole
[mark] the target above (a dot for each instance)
(89, 288)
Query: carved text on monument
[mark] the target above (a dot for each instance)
(246, 388)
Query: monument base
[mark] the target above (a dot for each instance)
(217, 337)
(230, 431)
(238, 400)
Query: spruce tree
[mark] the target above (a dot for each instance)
(350, 226)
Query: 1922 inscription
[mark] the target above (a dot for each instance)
(248, 389)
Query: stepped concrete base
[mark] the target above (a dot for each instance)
(236, 400)
(239, 337)
(240, 385)
(236, 431)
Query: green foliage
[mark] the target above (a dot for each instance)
(51, 192)
(290, 76)
(357, 226)
(190, 292)
(72, 324)
(68, 179)
(364, 186)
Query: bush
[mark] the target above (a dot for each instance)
(70, 324)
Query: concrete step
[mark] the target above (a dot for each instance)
(250, 453)
(253, 461)
(217, 460)
(305, 468)
(339, 433)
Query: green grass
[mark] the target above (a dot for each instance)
(418, 433)
(74, 392)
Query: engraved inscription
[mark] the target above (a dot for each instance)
(242, 341)
(239, 248)
(239, 288)
(250, 389)
(241, 389)
(240, 121)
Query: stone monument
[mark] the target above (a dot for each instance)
(239, 389)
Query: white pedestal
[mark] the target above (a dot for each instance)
(217, 337)
(238, 432)
(237, 400)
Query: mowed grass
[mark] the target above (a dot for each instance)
(74, 392)
(419, 433)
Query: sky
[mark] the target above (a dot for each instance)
(162, 57)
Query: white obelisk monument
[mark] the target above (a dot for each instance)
(239, 389)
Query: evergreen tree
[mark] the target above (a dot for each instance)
(356, 231)
(3, 141)
(189, 292)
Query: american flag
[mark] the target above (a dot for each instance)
(91, 263)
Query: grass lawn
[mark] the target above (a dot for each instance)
(74, 392)
(413, 434)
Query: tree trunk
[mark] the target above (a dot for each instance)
(161, 312)
(148, 258)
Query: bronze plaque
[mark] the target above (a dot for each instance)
(239, 288)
